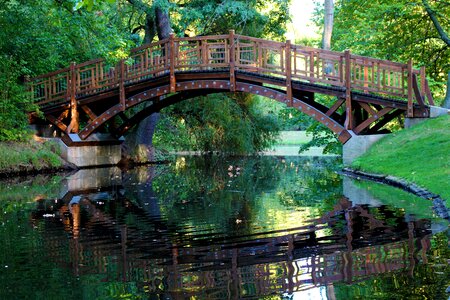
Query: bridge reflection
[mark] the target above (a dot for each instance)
(128, 241)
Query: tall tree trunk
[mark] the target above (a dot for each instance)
(328, 67)
(140, 146)
(446, 103)
(328, 24)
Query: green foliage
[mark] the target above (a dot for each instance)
(419, 155)
(395, 30)
(322, 137)
(14, 101)
(46, 35)
(260, 18)
(230, 123)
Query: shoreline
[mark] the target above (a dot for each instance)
(438, 202)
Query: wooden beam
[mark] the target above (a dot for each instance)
(172, 63)
(367, 108)
(428, 93)
(410, 110)
(288, 73)
(386, 119)
(335, 107)
(89, 112)
(417, 91)
(122, 85)
(232, 62)
(74, 122)
(348, 91)
(370, 120)
(57, 122)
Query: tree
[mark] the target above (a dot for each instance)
(397, 30)
(42, 36)
(328, 24)
(200, 17)
(445, 37)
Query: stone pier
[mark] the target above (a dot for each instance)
(357, 146)
(98, 150)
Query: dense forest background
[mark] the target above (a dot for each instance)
(42, 36)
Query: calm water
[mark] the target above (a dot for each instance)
(253, 228)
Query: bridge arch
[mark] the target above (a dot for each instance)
(191, 89)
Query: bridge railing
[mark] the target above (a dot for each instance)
(235, 53)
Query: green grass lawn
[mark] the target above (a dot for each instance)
(28, 157)
(420, 154)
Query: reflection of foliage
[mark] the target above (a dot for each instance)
(223, 189)
(228, 191)
(16, 194)
(312, 182)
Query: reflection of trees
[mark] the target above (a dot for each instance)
(229, 192)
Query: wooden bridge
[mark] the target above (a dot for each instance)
(368, 92)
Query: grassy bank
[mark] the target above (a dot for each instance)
(295, 138)
(28, 157)
(420, 154)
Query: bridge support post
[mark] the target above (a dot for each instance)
(97, 150)
(348, 91)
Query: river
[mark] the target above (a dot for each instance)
(219, 228)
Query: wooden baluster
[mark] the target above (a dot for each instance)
(146, 54)
(366, 75)
(172, 62)
(205, 54)
(232, 61)
(348, 91)
(288, 73)
(378, 77)
(410, 112)
(311, 66)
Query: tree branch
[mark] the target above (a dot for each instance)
(432, 14)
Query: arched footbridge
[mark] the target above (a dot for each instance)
(97, 96)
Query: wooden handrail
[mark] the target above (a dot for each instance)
(237, 52)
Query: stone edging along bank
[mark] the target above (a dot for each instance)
(438, 203)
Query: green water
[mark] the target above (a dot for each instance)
(219, 228)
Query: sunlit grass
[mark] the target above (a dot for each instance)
(293, 138)
(29, 156)
(420, 155)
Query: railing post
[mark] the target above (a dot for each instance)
(410, 112)
(232, 54)
(122, 84)
(172, 62)
(288, 73)
(74, 124)
(348, 91)
(422, 82)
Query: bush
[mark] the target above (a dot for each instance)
(14, 102)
